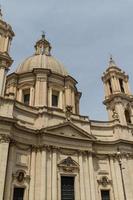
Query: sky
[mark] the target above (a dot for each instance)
(83, 34)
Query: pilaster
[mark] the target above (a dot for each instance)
(114, 182)
(54, 174)
(4, 147)
(91, 173)
(82, 186)
(32, 174)
(8, 185)
(43, 174)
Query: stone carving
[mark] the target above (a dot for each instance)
(20, 176)
(104, 181)
(4, 138)
(115, 115)
(68, 165)
(68, 112)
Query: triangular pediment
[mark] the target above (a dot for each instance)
(68, 162)
(68, 129)
(68, 165)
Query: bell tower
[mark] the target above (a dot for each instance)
(6, 35)
(118, 98)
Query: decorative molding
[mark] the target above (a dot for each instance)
(68, 112)
(68, 152)
(104, 181)
(4, 138)
(68, 165)
(20, 176)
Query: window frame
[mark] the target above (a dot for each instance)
(26, 91)
(106, 191)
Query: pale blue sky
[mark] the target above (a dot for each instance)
(83, 34)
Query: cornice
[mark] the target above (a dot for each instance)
(118, 98)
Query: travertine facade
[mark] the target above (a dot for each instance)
(48, 151)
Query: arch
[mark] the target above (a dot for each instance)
(127, 115)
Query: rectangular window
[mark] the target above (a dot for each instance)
(67, 188)
(105, 195)
(26, 96)
(18, 194)
(55, 98)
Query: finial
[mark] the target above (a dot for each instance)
(111, 61)
(0, 13)
(43, 35)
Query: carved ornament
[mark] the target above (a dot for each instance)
(68, 165)
(4, 138)
(104, 181)
(20, 176)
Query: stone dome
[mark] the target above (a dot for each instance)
(42, 59)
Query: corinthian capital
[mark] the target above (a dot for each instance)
(4, 138)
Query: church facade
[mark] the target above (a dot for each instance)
(48, 151)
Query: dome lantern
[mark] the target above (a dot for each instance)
(42, 46)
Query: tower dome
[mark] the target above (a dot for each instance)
(42, 59)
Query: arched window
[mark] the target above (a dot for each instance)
(127, 116)
(121, 85)
(110, 86)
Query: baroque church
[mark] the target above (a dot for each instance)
(48, 150)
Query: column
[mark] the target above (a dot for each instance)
(54, 175)
(38, 175)
(73, 101)
(2, 77)
(4, 147)
(6, 42)
(87, 179)
(82, 188)
(113, 175)
(108, 89)
(113, 85)
(43, 88)
(37, 89)
(68, 96)
(105, 90)
(43, 174)
(119, 180)
(61, 99)
(125, 87)
(127, 178)
(32, 175)
(128, 87)
(20, 95)
(32, 96)
(116, 84)
(49, 184)
(50, 97)
(92, 183)
(130, 173)
(8, 185)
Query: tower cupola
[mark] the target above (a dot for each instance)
(117, 93)
(6, 35)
